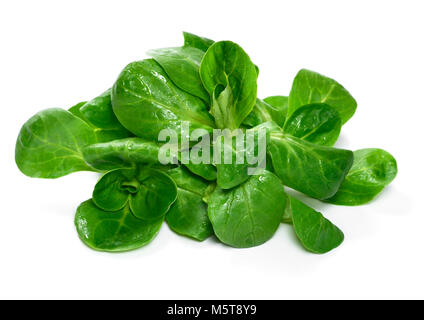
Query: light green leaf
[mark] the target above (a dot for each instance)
(191, 40)
(229, 76)
(311, 87)
(371, 172)
(50, 144)
(182, 65)
(263, 112)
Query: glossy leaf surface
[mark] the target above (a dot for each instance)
(314, 170)
(371, 172)
(311, 87)
(121, 153)
(249, 214)
(229, 76)
(236, 171)
(113, 231)
(189, 214)
(155, 195)
(146, 101)
(98, 113)
(182, 65)
(50, 144)
(317, 123)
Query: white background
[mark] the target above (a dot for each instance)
(57, 53)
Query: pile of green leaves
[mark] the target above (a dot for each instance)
(210, 85)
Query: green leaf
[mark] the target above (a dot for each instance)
(121, 153)
(229, 76)
(314, 170)
(279, 102)
(75, 110)
(189, 214)
(311, 87)
(317, 123)
(182, 65)
(204, 170)
(371, 172)
(98, 113)
(316, 233)
(191, 40)
(113, 190)
(113, 231)
(263, 112)
(236, 171)
(50, 144)
(149, 192)
(249, 214)
(146, 101)
(155, 195)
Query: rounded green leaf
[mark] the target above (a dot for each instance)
(50, 144)
(155, 195)
(311, 87)
(146, 101)
(314, 170)
(189, 214)
(371, 172)
(249, 214)
(112, 191)
(317, 123)
(113, 231)
(229, 76)
(316, 233)
(182, 65)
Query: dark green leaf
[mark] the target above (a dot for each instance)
(50, 144)
(249, 214)
(189, 214)
(317, 123)
(229, 76)
(371, 172)
(146, 101)
(314, 170)
(311, 87)
(316, 233)
(113, 231)
(182, 65)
